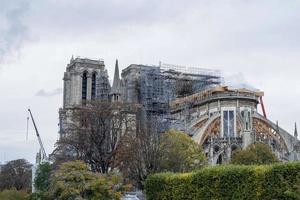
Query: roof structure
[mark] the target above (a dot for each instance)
(214, 92)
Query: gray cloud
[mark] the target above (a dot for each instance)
(88, 16)
(238, 81)
(13, 32)
(44, 93)
(210, 21)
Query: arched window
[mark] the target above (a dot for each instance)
(84, 86)
(228, 123)
(220, 160)
(94, 86)
(233, 148)
(216, 149)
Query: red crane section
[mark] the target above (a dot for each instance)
(263, 107)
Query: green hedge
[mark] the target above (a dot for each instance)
(265, 182)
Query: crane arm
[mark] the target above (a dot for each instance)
(38, 136)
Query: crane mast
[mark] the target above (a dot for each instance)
(44, 155)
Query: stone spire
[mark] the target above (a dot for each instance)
(116, 87)
(296, 132)
(116, 82)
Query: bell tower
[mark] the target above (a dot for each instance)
(84, 80)
(81, 80)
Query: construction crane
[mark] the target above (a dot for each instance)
(42, 149)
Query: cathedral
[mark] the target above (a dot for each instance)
(192, 100)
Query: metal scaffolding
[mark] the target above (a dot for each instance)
(103, 86)
(154, 87)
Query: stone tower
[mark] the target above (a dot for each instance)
(84, 80)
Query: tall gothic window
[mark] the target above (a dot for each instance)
(84, 86)
(94, 86)
(228, 123)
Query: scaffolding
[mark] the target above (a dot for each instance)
(103, 86)
(193, 71)
(154, 87)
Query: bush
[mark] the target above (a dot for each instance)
(264, 182)
(180, 153)
(255, 154)
(13, 194)
(73, 180)
(279, 180)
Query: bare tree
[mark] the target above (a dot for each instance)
(138, 155)
(95, 132)
(16, 174)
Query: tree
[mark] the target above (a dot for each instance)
(42, 177)
(73, 180)
(95, 133)
(146, 153)
(257, 153)
(16, 174)
(138, 156)
(179, 153)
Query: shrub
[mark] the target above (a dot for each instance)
(279, 179)
(264, 182)
(179, 153)
(73, 180)
(13, 194)
(255, 154)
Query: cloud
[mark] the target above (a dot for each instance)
(43, 93)
(13, 31)
(101, 17)
(238, 81)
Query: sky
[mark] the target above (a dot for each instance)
(254, 43)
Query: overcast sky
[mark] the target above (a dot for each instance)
(253, 42)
